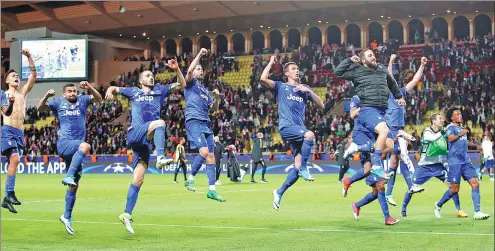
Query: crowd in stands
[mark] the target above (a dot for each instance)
(459, 73)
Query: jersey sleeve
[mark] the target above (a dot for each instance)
(85, 100)
(193, 82)
(165, 89)
(127, 91)
(403, 91)
(277, 87)
(4, 101)
(308, 96)
(54, 104)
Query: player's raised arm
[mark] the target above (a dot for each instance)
(417, 76)
(95, 95)
(266, 73)
(194, 63)
(110, 91)
(42, 104)
(394, 89)
(344, 69)
(32, 78)
(391, 63)
(7, 104)
(181, 82)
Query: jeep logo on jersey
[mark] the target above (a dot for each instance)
(71, 113)
(117, 168)
(295, 98)
(144, 98)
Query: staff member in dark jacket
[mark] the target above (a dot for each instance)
(180, 159)
(257, 157)
(372, 82)
(339, 156)
(219, 151)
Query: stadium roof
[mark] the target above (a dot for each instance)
(170, 18)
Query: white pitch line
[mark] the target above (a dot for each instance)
(171, 194)
(267, 228)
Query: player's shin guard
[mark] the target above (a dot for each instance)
(132, 196)
(306, 149)
(211, 173)
(457, 202)
(70, 200)
(263, 171)
(291, 179)
(159, 140)
(391, 182)
(383, 204)
(366, 148)
(376, 158)
(407, 199)
(446, 196)
(77, 160)
(475, 194)
(197, 163)
(9, 185)
(367, 199)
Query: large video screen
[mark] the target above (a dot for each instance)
(57, 59)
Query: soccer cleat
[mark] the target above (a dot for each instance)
(405, 135)
(217, 183)
(347, 183)
(390, 200)
(391, 221)
(481, 216)
(356, 211)
(438, 214)
(212, 194)
(415, 189)
(378, 172)
(68, 224)
(7, 204)
(126, 219)
(306, 175)
(189, 184)
(69, 181)
(263, 181)
(403, 214)
(162, 161)
(13, 199)
(175, 182)
(276, 200)
(252, 181)
(353, 147)
(461, 214)
(492, 179)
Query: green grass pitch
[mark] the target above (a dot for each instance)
(313, 216)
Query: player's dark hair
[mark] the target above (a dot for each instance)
(67, 86)
(450, 112)
(8, 72)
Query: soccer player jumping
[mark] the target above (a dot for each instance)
(291, 98)
(70, 110)
(199, 134)
(146, 125)
(12, 129)
(460, 165)
(372, 82)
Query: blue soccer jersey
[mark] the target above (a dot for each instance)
(145, 106)
(3, 101)
(291, 104)
(198, 101)
(395, 112)
(71, 116)
(458, 150)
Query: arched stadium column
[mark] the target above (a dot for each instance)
(471, 28)
(213, 42)
(343, 34)
(177, 43)
(324, 35)
(364, 35)
(450, 27)
(285, 38)
(405, 31)
(385, 30)
(163, 49)
(195, 45)
(267, 38)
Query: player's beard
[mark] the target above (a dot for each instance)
(370, 64)
(72, 99)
